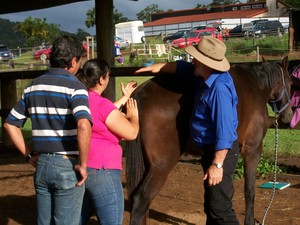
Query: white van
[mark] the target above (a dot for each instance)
(132, 31)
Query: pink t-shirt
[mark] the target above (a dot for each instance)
(105, 150)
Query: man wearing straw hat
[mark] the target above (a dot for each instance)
(213, 123)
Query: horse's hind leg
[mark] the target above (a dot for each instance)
(151, 186)
(251, 156)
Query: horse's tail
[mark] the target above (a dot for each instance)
(135, 166)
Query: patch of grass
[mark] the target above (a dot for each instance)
(288, 143)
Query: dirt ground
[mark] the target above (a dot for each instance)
(179, 202)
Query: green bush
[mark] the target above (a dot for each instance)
(239, 46)
(273, 45)
(265, 167)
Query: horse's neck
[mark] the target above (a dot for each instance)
(246, 81)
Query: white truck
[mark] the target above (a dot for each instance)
(132, 31)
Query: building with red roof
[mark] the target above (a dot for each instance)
(226, 16)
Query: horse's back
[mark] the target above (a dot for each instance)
(165, 104)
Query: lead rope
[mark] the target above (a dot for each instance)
(275, 170)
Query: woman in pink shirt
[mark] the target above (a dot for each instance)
(103, 187)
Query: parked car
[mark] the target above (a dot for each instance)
(174, 36)
(273, 27)
(258, 21)
(42, 54)
(193, 37)
(5, 53)
(122, 42)
(266, 28)
(201, 27)
(239, 30)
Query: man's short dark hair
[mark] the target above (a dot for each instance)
(64, 49)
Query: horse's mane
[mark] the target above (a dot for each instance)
(264, 72)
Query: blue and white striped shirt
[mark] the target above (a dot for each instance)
(54, 102)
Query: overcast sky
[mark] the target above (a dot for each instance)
(72, 16)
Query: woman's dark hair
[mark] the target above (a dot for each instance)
(92, 70)
(64, 49)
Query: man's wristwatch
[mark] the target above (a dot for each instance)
(218, 165)
(28, 157)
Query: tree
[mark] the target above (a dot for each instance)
(224, 2)
(90, 18)
(9, 35)
(118, 17)
(37, 30)
(293, 3)
(53, 32)
(145, 14)
(200, 6)
(81, 34)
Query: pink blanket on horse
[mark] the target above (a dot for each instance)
(295, 97)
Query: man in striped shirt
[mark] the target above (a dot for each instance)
(57, 104)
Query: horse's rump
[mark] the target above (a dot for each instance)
(165, 102)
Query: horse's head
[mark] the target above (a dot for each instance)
(281, 91)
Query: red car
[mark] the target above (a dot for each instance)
(44, 53)
(193, 37)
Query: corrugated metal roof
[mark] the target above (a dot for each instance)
(208, 16)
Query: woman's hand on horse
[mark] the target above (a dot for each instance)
(132, 109)
(129, 88)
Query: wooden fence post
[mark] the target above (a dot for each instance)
(257, 53)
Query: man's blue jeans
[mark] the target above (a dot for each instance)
(59, 201)
(103, 195)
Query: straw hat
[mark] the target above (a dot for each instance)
(211, 52)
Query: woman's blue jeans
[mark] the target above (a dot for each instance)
(104, 196)
(59, 201)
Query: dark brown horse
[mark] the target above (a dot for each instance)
(166, 103)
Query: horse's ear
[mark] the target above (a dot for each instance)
(285, 63)
(264, 59)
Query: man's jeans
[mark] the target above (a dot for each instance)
(103, 195)
(59, 201)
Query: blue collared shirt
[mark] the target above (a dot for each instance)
(214, 120)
